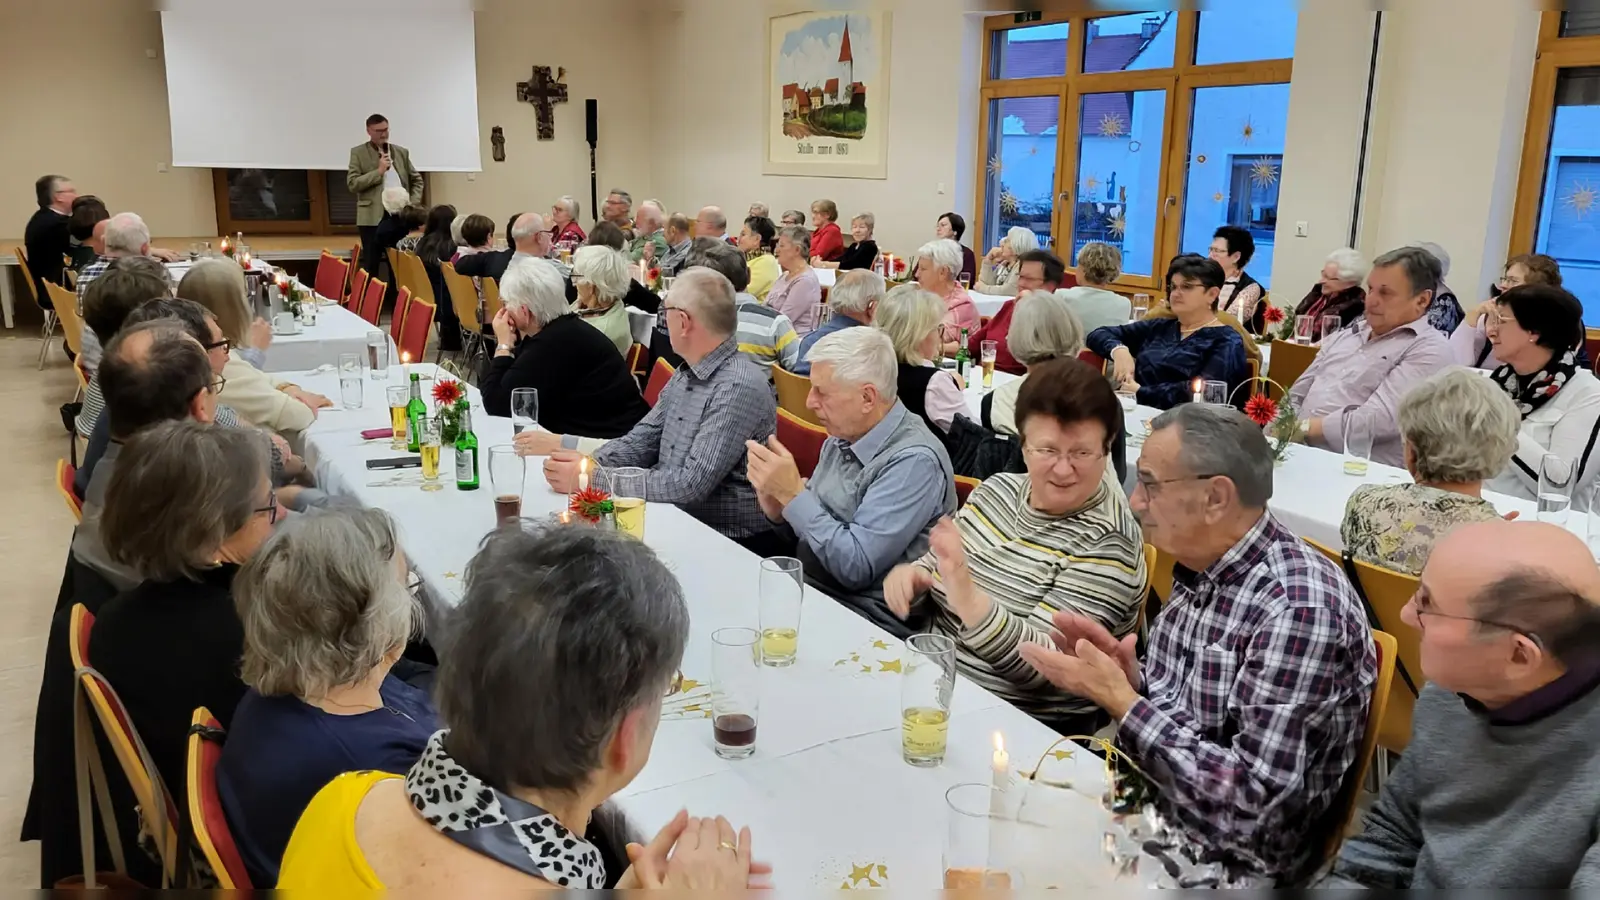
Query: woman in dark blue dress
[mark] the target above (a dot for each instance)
(1158, 359)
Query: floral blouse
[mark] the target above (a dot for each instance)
(1396, 525)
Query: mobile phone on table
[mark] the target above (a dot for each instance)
(398, 462)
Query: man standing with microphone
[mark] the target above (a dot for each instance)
(375, 165)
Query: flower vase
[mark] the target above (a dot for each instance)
(449, 425)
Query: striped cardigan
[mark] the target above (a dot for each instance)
(1032, 565)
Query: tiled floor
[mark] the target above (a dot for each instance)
(35, 528)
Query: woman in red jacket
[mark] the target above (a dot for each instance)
(827, 241)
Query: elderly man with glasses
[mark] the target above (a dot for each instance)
(1250, 705)
(1500, 785)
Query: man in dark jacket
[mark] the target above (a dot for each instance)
(47, 239)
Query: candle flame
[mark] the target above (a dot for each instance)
(1199, 385)
(999, 742)
(405, 358)
(566, 517)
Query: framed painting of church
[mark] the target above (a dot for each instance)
(827, 111)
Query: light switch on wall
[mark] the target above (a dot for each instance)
(1302, 229)
(472, 176)
(941, 187)
(161, 168)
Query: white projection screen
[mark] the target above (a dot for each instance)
(289, 84)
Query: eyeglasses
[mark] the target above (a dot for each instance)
(1150, 484)
(1417, 602)
(217, 385)
(271, 509)
(1050, 455)
(224, 344)
(670, 308)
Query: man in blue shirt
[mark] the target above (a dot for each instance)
(882, 479)
(854, 298)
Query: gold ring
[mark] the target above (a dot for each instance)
(729, 846)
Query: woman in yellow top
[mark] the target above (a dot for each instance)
(758, 239)
(510, 794)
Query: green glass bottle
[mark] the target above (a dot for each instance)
(466, 452)
(963, 360)
(416, 411)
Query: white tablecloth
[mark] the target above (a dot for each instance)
(826, 790)
(642, 324)
(337, 331)
(987, 305)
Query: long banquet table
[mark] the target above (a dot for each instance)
(826, 793)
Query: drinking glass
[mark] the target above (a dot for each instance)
(1330, 327)
(927, 680)
(987, 352)
(194, 251)
(1358, 434)
(967, 840)
(378, 355)
(524, 409)
(965, 280)
(735, 690)
(507, 472)
(429, 443)
(781, 588)
(350, 380)
(1555, 489)
(1141, 306)
(667, 281)
(399, 395)
(1216, 392)
(628, 499)
(821, 315)
(1303, 327)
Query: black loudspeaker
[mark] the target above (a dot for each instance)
(592, 112)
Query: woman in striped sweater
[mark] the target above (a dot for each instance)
(1061, 537)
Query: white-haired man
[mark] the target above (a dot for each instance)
(1500, 785)
(693, 440)
(583, 382)
(125, 235)
(712, 223)
(649, 233)
(854, 300)
(881, 483)
(759, 211)
(529, 239)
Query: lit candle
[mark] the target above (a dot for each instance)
(1199, 387)
(583, 474)
(566, 517)
(405, 367)
(1000, 775)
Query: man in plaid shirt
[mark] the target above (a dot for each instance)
(1250, 706)
(693, 440)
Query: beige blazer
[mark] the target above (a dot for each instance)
(366, 182)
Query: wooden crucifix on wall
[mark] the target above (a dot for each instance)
(544, 92)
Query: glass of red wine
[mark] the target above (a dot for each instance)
(735, 690)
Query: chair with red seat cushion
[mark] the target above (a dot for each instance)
(372, 300)
(358, 285)
(414, 333)
(330, 277)
(803, 439)
(964, 488)
(659, 376)
(65, 472)
(402, 306)
(206, 818)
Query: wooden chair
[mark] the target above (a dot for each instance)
(464, 300)
(1150, 606)
(372, 301)
(66, 312)
(792, 392)
(332, 273)
(413, 338)
(417, 278)
(1344, 808)
(1385, 592)
(491, 298)
(148, 790)
(803, 439)
(206, 817)
(44, 303)
(393, 257)
(964, 487)
(65, 472)
(637, 354)
(402, 305)
(1289, 361)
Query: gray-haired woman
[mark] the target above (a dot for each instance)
(600, 275)
(326, 616)
(1459, 429)
(561, 651)
(999, 270)
(188, 504)
(1043, 328)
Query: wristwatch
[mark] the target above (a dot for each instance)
(1305, 427)
(506, 347)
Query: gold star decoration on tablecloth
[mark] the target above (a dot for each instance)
(1263, 173)
(871, 875)
(451, 575)
(880, 645)
(1118, 225)
(1111, 125)
(1061, 755)
(1008, 202)
(1580, 199)
(996, 164)
(1248, 132)
(889, 665)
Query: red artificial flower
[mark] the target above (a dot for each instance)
(1272, 315)
(590, 503)
(447, 392)
(1261, 409)
(899, 265)
(654, 273)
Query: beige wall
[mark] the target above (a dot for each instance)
(95, 107)
(709, 140)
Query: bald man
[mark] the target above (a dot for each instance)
(1500, 786)
(712, 223)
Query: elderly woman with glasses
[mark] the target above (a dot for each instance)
(1459, 431)
(189, 504)
(218, 285)
(1469, 344)
(584, 385)
(860, 255)
(1338, 291)
(565, 232)
(1060, 538)
(561, 651)
(999, 272)
(600, 275)
(326, 617)
(938, 267)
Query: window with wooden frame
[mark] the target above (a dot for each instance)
(284, 201)
(1558, 193)
(1175, 126)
